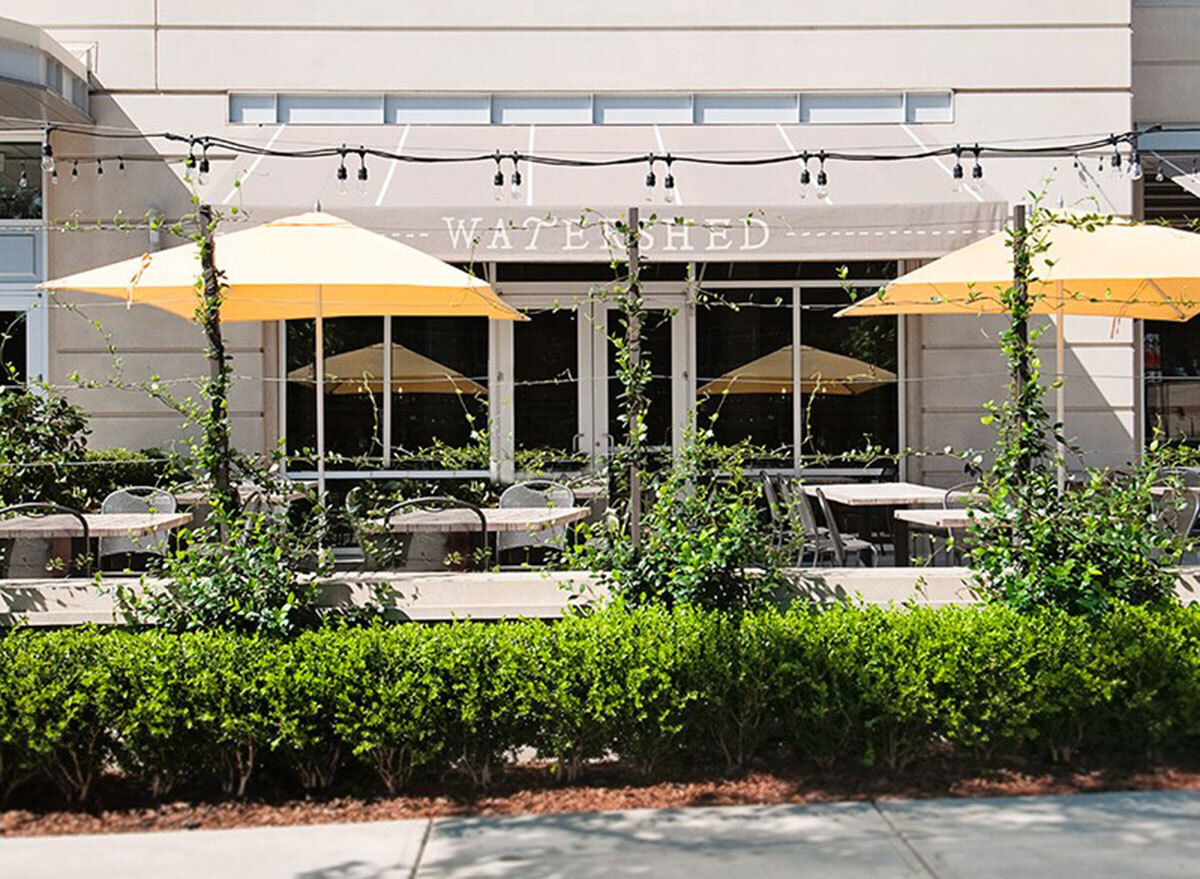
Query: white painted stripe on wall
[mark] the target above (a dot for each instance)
(387, 181)
(254, 165)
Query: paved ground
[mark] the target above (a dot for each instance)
(1141, 835)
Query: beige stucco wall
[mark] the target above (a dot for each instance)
(167, 64)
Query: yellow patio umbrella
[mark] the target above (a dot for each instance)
(821, 372)
(312, 265)
(360, 372)
(1117, 269)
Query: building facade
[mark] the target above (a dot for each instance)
(749, 274)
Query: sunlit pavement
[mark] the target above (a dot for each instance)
(1091, 835)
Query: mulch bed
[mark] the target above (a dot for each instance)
(532, 789)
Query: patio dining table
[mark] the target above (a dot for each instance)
(887, 495)
(62, 527)
(937, 520)
(528, 519)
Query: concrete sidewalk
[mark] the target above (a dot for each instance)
(1093, 835)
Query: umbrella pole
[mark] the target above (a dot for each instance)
(319, 332)
(1060, 392)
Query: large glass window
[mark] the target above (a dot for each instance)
(546, 388)
(1171, 355)
(353, 370)
(20, 181)
(13, 342)
(439, 393)
(849, 382)
(744, 366)
(656, 349)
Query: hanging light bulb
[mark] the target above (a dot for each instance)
(498, 180)
(1135, 164)
(805, 177)
(47, 153)
(1158, 173)
(822, 177)
(362, 171)
(121, 164)
(1115, 161)
(957, 173)
(204, 165)
(75, 171)
(514, 189)
(651, 180)
(1080, 171)
(976, 183)
(23, 182)
(1100, 167)
(342, 174)
(99, 168)
(669, 184)
(190, 162)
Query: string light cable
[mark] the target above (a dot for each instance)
(1122, 148)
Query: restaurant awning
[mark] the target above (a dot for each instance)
(453, 211)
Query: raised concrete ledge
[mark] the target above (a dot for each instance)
(497, 595)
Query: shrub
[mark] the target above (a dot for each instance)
(704, 541)
(42, 437)
(651, 685)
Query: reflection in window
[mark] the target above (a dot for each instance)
(20, 181)
(546, 388)
(744, 370)
(440, 400)
(12, 348)
(849, 390)
(656, 349)
(353, 367)
(1172, 369)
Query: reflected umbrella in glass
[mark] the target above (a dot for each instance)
(822, 372)
(359, 372)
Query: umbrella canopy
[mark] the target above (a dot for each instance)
(1115, 270)
(312, 265)
(360, 372)
(1112, 270)
(822, 372)
(299, 267)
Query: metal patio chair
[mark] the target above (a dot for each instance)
(844, 545)
(534, 494)
(40, 508)
(135, 499)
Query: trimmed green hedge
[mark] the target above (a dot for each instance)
(843, 686)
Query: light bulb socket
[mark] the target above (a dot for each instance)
(651, 180)
(669, 181)
(805, 177)
(498, 178)
(822, 178)
(958, 171)
(121, 164)
(75, 171)
(99, 168)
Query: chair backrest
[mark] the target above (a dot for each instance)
(795, 499)
(538, 493)
(139, 499)
(136, 499)
(535, 493)
(44, 508)
(835, 534)
(1181, 502)
(772, 498)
